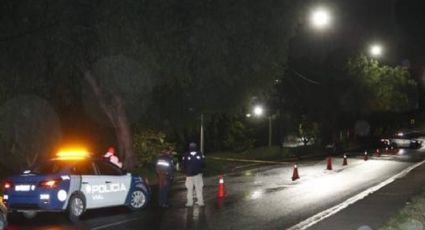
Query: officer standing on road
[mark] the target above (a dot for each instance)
(164, 167)
(193, 164)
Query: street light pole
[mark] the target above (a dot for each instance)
(202, 134)
(259, 111)
(270, 131)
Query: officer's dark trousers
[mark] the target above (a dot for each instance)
(164, 185)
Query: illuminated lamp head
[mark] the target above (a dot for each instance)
(72, 154)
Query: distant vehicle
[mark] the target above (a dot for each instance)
(404, 140)
(74, 182)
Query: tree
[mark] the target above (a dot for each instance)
(196, 56)
(29, 130)
(120, 86)
(217, 54)
(377, 88)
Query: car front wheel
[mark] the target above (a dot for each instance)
(138, 200)
(76, 207)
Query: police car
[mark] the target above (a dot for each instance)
(3, 216)
(74, 182)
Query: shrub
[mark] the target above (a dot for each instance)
(148, 144)
(238, 137)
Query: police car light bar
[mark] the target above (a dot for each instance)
(77, 154)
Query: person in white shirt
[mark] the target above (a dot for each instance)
(110, 155)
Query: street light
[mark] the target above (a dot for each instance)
(376, 50)
(320, 18)
(258, 112)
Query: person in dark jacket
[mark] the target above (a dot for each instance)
(193, 163)
(164, 167)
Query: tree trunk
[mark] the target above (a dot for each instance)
(123, 134)
(117, 115)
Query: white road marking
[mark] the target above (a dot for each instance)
(335, 209)
(114, 224)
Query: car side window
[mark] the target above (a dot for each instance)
(106, 168)
(83, 168)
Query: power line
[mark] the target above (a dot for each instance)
(305, 78)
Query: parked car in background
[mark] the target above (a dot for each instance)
(404, 140)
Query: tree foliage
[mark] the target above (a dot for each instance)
(335, 93)
(30, 131)
(377, 88)
(148, 144)
(161, 63)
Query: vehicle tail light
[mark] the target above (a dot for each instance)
(53, 183)
(8, 185)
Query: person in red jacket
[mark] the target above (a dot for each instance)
(110, 156)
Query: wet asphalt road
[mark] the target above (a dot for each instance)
(260, 198)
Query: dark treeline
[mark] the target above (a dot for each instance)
(102, 72)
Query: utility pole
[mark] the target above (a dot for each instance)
(202, 134)
(270, 131)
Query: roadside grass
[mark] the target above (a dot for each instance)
(262, 153)
(274, 153)
(412, 216)
(213, 168)
(216, 166)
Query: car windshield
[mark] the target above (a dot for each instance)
(51, 167)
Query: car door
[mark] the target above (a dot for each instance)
(90, 183)
(117, 183)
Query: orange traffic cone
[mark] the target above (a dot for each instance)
(345, 161)
(365, 156)
(220, 193)
(220, 203)
(378, 153)
(295, 175)
(329, 165)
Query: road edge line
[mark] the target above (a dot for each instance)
(250, 161)
(335, 209)
(113, 224)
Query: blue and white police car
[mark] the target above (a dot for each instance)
(74, 182)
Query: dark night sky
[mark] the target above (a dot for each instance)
(397, 24)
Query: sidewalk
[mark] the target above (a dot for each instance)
(376, 209)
